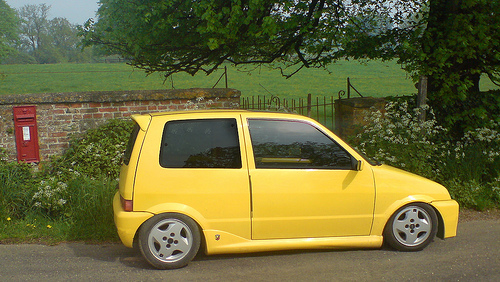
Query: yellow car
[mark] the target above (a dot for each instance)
(242, 181)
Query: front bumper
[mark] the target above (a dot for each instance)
(449, 213)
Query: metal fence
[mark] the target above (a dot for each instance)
(318, 108)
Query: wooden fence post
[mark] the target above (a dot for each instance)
(309, 98)
(225, 74)
(422, 97)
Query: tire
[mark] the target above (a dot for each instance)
(411, 228)
(169, 241)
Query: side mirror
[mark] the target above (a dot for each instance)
(357, 165)
(360, 165)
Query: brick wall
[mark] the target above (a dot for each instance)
(60, 115)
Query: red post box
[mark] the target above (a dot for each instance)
(26, 131)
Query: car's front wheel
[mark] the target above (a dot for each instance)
(169, 241)
(412, 227)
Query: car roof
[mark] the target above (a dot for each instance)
(226, 111)
(190, 112)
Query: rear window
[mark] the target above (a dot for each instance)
(207, 143)
(130, 145)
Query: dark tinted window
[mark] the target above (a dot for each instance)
(131, 143)
(289, 144)
(210, 143)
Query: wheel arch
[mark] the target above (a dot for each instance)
(440, 232)
(180, 209)
(382, 217)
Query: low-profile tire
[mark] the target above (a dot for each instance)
(411, 228)
(169, 240)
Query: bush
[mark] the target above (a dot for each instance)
(98, 152)
(476, 111)
(51, 197)
(398, 138)
(469, 167)
(475, 195)
(475, 157)
(73, 193)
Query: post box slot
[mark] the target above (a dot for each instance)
(25, 117)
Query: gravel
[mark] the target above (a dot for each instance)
(473, 215)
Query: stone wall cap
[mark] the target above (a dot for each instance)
(361, 102)
(118, 96)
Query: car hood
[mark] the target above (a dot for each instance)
(391, 180)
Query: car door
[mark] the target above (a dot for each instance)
(303, 183)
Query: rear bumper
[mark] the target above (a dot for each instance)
(449, 213)
(127, 223)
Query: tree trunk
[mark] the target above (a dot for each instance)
(446, 66)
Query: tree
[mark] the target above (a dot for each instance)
(8, 29)
(452, 42)
(461, 43)
(49, 40)
(34, 29)
(64, 38)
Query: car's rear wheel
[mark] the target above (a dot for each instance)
(412, 227)
(169, 241)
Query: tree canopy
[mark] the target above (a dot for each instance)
(199, 35)
(8, 28)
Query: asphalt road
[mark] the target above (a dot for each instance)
(474, 255)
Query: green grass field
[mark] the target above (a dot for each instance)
(375, 78)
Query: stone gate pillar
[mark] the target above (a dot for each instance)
(350, 113)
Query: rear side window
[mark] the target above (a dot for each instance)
(207, 143)
(294, 144)
(131, 143)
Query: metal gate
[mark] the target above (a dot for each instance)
(318, 108)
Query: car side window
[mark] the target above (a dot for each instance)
(295, 144)
(206, 143)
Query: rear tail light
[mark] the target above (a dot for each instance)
(127, 205)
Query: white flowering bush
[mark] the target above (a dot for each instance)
(475, 156)
(486, 139)
(397, 137)
(98, 152)
(469, 167)
(51, 196)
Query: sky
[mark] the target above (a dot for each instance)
(75, 11)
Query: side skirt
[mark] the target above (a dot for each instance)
(218, 242)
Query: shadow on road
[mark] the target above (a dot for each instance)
(110, 253)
